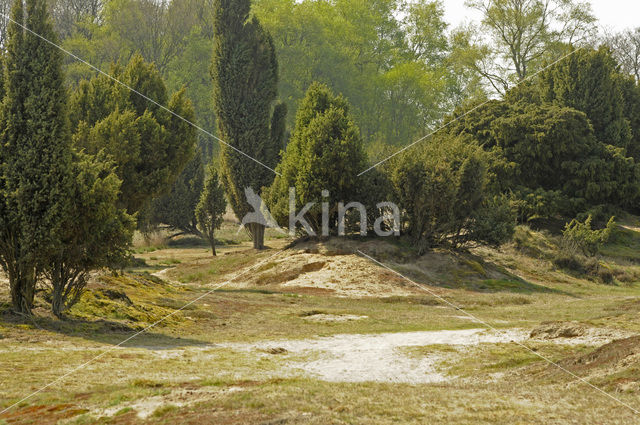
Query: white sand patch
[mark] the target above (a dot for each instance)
(381, 358)
(334, 318)
(378, 358)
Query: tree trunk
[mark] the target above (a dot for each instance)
(57, 304)
(23, 288)
(212, 241)
(213, 247)
(257, 233)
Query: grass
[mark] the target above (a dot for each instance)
(514, 287)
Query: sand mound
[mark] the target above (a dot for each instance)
(330, 268)
(576, 333)
(620, 353)
(614, 366)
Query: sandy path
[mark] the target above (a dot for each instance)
(384, 358)
(379, 357)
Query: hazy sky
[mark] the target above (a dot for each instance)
(616, 14)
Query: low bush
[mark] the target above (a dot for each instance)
(443, 193)
(569, 262)
(578, 236)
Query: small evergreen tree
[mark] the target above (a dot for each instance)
(325, 153)
(35, 152)
(442, 190)
(96, 232)
(580, 236)
(245, 80)
(211, 207)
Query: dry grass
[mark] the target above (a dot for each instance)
(178, 372)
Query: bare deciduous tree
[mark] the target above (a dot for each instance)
(625, 46)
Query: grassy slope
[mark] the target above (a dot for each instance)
(516, 286)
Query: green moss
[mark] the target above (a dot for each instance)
(476, 267)
(125, 298)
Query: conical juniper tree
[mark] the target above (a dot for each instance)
(35, 152)
(245, 78)
(325, 153)
(211, 207)
(176, 210)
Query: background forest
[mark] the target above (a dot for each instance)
(537, 114)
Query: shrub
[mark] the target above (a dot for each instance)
(494, 223)
(579, 236)
(605, 275)
(443, 194)
(567, 151)
(532, 204)
(579, 264)
(569, 262)
(325, 153)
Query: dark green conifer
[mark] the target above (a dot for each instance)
(35, 152)
(245, 80)
(211, 207)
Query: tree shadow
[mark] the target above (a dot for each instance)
(463, 270)
(493, 278)
(103, 331)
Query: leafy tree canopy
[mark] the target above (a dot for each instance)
(149, 145)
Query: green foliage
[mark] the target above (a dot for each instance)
(579, 236)
(534, 204)
(588, 81)
(149, 146)
(391, 59)
(493, 223)
(443, 193)
(325, 153)
(548, 157)
(525, 34)
(177, 208)
(176, 36)
(631, 94)
(35, 152)
(96, 232)
(244, 71)
(211, 207)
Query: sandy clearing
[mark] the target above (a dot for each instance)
(377, 358)
(380, 358)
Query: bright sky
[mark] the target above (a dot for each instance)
(616, 14)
